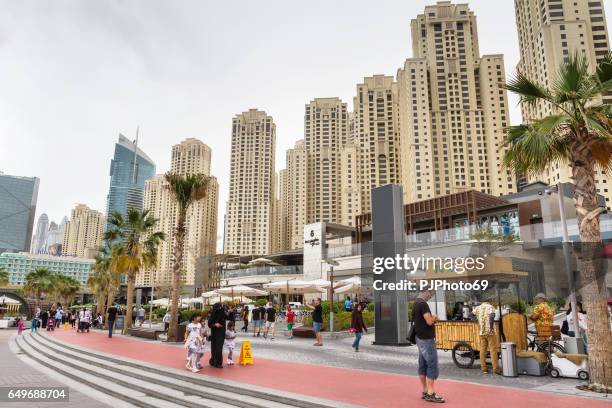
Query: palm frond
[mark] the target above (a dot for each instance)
(603, 73)
(529, 91)
(573, 81)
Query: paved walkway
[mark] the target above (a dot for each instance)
(16, 373)
(366, 388)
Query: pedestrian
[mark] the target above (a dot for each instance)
(140, 316)
(270, 320)
(51, 324)
(88, 319)
(582, 323)
(425, 335)
(216, 324)
(73, 317)
(42, 318)
(262, 319)
(256, 313)
(112, 315)
(230, 336)
(81, 321)
(290, 321)
(245, 319)
(35, 320)
(542, 313)
(194, 343)
(166, 321)
(19, 326)
(58, 317)
(485, 314)
(317, 320)
(194, 329)
(348, 305)
(357, 326)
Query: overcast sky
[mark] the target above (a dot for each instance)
(73, 74)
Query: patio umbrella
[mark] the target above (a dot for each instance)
(292, 286)
(209, 294)
(263, 261)
(241, 290)
(161, 302)
(5, 300)
(349, 281)
(321, 283)
(353, 287)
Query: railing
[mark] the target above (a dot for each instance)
(263, 270)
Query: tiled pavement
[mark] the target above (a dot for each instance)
(15, 372)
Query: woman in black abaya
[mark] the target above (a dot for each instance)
(216, 324)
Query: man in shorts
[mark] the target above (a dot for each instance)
(256, 321)
(270, 320)
(317, 320)
(425, 334)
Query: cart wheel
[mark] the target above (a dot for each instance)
(554, 373)
(463, 355)
(583, 375)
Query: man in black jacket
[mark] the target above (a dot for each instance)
(216, 324)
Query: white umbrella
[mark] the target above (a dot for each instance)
(349, 281)
(320, 283)
(263, 261)
(241, 290)
(5, 300)
(161, 302)
(192, 301)
(351, 288)
(209, 294)
(292, 286)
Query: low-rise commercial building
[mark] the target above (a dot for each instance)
(18, 265)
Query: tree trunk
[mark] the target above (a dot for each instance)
(101, 306)
(179, 242)
(131, 281)
(594, 291)
(109, 302)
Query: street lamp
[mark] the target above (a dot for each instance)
(331, 264)
(566, 254)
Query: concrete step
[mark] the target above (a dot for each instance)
(154, 379)
(109, 387)
(192, 385)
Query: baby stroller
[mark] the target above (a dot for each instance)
(50, 325)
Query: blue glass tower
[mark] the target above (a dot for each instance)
(129, 170)
(18, 196)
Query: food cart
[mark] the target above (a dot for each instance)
(462, 336)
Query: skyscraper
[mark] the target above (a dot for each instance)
(550, 31)
(376, 141)
(84, 232)
(293, 182)
(18, 196)
(326, 130)
(191, 156)
(249, 217)
(39, 239)
(130, 168)
(452, 109)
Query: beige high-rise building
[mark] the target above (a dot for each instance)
(84, 232)
(376, 137)
(452, 110)
(326, 131)
(351, 187)
(293, 197)
(550, 31)
(189, 157)
(249, 223)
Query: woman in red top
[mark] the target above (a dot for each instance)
(290, 321)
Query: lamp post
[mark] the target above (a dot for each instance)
(331, 264)
(567, 256)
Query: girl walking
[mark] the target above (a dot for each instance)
(19, 326)
(357, 326)
(230, 336)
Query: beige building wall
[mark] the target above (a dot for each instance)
(84, 232)
(250, 209)
(376, 136)
(189, 157)
(351, 188)
(549, 32)
(326, 130)
(295, 195)
(452, 109)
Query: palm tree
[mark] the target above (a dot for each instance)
(134, 233)
(4, 276)
(578, 133)
(65, 288)
(100, 280)
(38, 282)
(186, 189)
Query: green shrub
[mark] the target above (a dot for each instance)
(557, 303)
(520, 306)
(342, 320)
(187, 315)
(371, 307)
(261, 302)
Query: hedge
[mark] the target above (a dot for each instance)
(342, 320)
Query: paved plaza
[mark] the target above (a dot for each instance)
(375, 377)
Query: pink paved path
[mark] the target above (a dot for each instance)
(365, 388)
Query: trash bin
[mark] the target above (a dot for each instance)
(180, 332)
(119, 322)
(508, 360)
